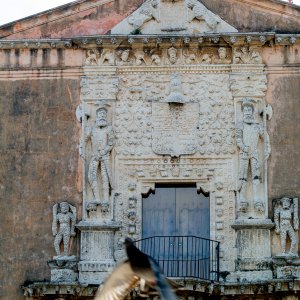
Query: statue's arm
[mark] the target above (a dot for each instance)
(54, 222)
(276, 220)
(73, 219)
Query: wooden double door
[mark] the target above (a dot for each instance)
(176, 210)
(172, 217)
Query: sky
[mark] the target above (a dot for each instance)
(12, 10)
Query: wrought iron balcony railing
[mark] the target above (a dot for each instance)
(184, 256)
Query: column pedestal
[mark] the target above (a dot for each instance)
(253, 249)
(96, 250)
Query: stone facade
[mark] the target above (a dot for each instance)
(206, 102)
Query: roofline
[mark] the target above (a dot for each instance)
(48, 11)
(52, 10)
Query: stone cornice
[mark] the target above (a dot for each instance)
(114, 41)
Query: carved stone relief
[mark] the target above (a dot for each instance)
(147, 12)
(176, 116)
(63, 229)
(152, 56)
(101, 137)
(286, 218)
(188, 16)
(254, 149)
(174, 128)
(245, 55)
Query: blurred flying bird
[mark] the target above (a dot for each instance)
(138, 268)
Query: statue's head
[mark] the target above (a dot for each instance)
(101, 117)
(125, 55)
(286, 202)
(222, 52)
(248, 110)
(64, 207)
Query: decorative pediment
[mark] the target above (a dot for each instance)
(176, 17)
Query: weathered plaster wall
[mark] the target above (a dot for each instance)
(81, 18)
(257, 16)
(39, 167)
(284, 128)
(284, 167)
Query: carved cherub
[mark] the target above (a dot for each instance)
(286, 223)
(64, 215)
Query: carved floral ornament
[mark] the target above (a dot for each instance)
(172, 56)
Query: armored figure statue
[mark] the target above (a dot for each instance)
(287, 222)
(102, 140)
(248, 134)
(64, 215)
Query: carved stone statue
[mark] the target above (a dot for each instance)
(147, 12)
(175, 92)
(246, 56)
(222, 59)
(92, 57)
(172, 55)
(63, 226)
(248, 134)
(200, 13)
(287, 223)
(102, 140)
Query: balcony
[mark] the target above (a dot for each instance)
(184, 256)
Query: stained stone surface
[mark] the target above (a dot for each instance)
(199, 83)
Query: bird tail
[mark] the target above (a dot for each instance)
(165, 289)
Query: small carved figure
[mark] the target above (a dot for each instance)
(156, 59)
(244, 207)
(147, 12)
(102, 140)
(200, 13)
(175, 92)
(124, 55)
(172, 55)
(108, 57)
(139, 57)
(206, 59)
(190, 58)
(246, 56)
(248, 133)
(92, 57)
(64, 214)
(222, 52)
(286, 223)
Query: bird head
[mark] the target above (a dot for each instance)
(128, 242)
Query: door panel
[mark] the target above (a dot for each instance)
(177, 211)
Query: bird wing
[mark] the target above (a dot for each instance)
(118, 284)
(164, 288)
